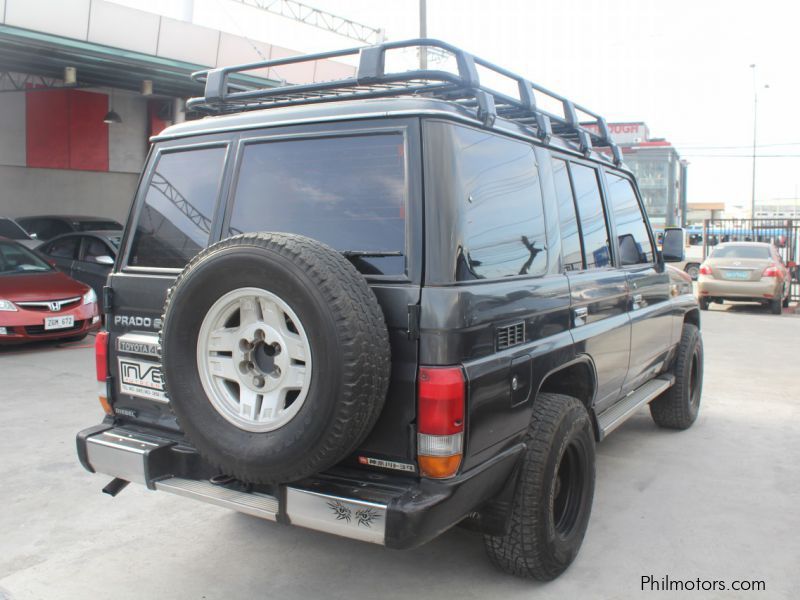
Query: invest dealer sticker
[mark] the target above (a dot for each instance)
(141, 378)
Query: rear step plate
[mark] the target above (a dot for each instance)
(251, 503)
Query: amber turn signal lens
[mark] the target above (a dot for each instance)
(439, 467)
(106, 406)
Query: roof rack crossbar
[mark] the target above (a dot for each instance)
(372, 81)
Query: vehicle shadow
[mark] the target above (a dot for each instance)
(357, 569)
(747, 308)
(45, 345)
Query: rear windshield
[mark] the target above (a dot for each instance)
(11, 230)
(347, 192)
(98, 225)
(741, 252)
(15, 259)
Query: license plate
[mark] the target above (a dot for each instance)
(739, 275)
(59, 322)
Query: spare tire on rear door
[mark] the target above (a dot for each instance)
(275, 356)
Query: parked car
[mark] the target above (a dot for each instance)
(87, 257)
(11, 230)
(382, 318)
(38, 302)
(691, 263)
(745, 271)
(46, 227)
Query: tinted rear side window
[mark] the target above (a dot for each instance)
(592, 216)
(503, 218)
(64, 248)
(175, 222)
(634, 241)
(347, 192)
(572, 257)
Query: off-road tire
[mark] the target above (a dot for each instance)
(539, 545)
(678, 407)
(347, 334)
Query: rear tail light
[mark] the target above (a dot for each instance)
(705, 270)
(440, 421)
(772, 271)
(101, 366)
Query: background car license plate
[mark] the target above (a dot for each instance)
(59, 322)
(737, 275)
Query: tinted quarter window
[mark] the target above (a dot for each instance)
(175, 221)
(590, 212)
(634, 241)
(503, 218)
(64, 248)
(572, 256)
(347, 192)
(94, 248)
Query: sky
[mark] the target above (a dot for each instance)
(681, 66)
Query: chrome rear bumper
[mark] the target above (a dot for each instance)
(143, 459)
(391, 510)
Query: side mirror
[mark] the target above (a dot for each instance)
(104, 260)
(673, 248)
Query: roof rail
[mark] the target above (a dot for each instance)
(373, 81)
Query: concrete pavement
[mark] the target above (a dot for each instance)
(717, 502)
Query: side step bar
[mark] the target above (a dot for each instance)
(617, 414)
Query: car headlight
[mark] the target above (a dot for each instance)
(7, 305)
(89, 297)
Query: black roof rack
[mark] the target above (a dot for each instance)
(372, 81)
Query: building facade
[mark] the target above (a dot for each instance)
(657, 166)
(66, 66)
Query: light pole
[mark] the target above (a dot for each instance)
(423, 33)
(755, 133)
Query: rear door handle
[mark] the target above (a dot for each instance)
(580, 315)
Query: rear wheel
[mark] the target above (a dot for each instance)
(786, 296)
(693, 271)
(704, 302)
(553, 498)
(677, 408)
(776, 305)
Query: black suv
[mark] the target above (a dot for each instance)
(385, 305)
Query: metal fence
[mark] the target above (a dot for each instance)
(783, 233)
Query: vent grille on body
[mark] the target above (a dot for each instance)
(510, 335)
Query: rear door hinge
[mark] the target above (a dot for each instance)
(413, 321)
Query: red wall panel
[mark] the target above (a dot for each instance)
(156, 123)
(88, 135)
(47, 128)
(65, 130)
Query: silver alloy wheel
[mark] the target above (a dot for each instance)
(254, 359)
